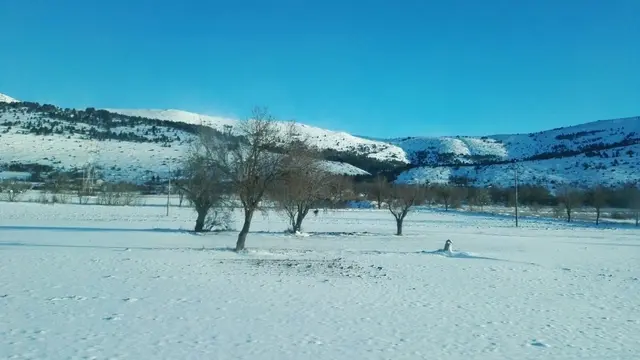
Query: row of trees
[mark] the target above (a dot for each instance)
(60, 187)
(265, 162)
(262, 161)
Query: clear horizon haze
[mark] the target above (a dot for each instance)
(375, 68)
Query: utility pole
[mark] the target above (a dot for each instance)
(169, 189)
(515, 169)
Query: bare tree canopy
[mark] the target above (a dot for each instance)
(252, 159)
(632, 193)
(202, 185)
(570, 198)
(598, 198)
(379, 189)
(304, 184)
(339, 189)
(401, 199)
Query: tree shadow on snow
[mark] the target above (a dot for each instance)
(320, 233)
(600, 243)
(452, 254)
(467, 255)
(88, 229)
(115, 248)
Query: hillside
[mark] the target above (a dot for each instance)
(604, 151)
(7, 99)
(320, 138)
(123, 147)
(134, 145)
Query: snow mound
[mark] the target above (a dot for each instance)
(455, 254)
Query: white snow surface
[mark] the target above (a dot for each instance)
(342, 168)
(117, 160)
(7, 98)
(319, 138)
(127, 283)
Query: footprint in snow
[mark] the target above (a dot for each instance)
(539, 344)
(75, 297)
(113, 317)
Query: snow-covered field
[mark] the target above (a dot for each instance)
(82, 282)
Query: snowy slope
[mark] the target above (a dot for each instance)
(471, 150)
(186, 117)
(320, 138)
(581, 154)
(606, 151)
(100, 282)
(617, 168)
(116, 160)
(7, 98)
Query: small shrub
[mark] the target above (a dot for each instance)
(621, 215)
(121, 194)
(219, 219)
(12, 190)
(535, 207)
(558, 211)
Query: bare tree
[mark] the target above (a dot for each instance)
(480, 198)
(633, 197)
(430, 194)
(304, 184)
(339, 189)
(202, 185)
(598, 198)
(83, 195)
(446, 194)
(401, 198)
(252, 159)
(379, 189)
(181, 194)
(570, 198)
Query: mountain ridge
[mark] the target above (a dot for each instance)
(146, 139)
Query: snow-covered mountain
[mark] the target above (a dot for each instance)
(603, 152)
(133, 145)
(7, 99)
(321, 138)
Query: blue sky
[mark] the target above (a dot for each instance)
(376, 68)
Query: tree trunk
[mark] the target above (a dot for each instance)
(298, 224)
(292, 221)
(399, 226)
(202, 215)
(242, 236)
